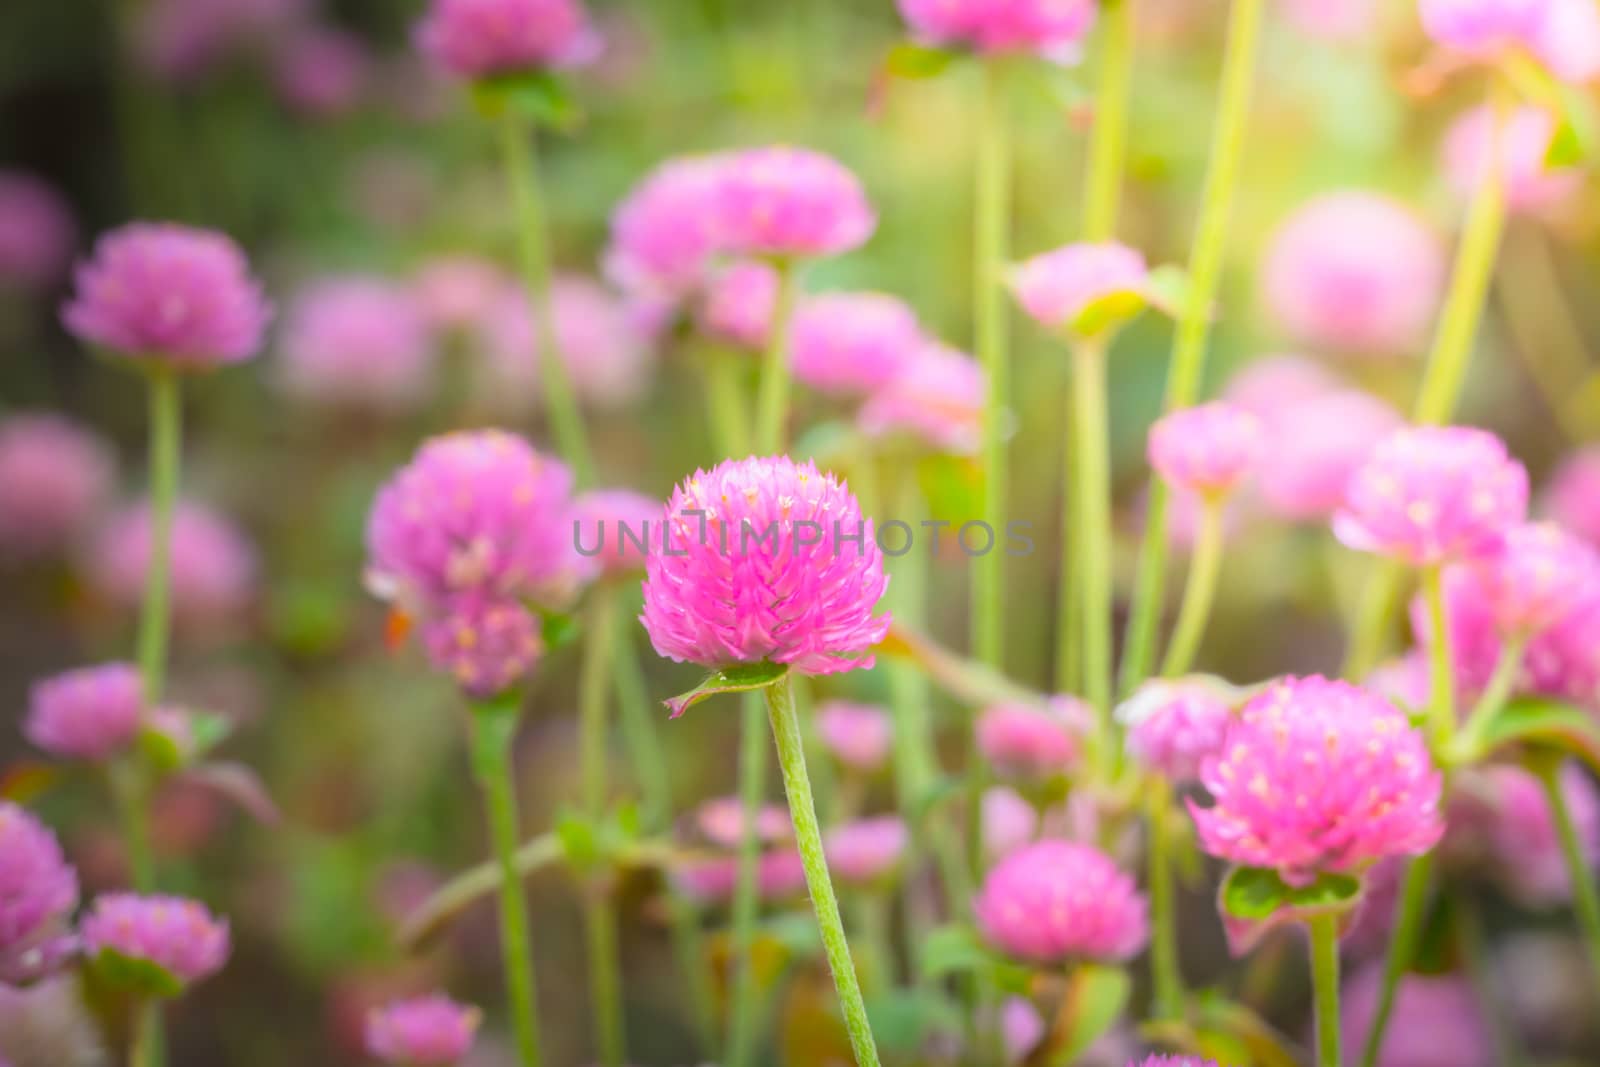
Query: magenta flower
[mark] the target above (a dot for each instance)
(789, 203)
(721, 821)
(486, 645)
(357, 343)
(1319, 777)
(1173, 727)
(169, 295)
(87, 714)
(1207, 450)
(1009, 821)
(867, 851)
(614, 526)
(1437, 1020)
(935, 403)
(1431, 494)
(1537, 577)
(1573, 498)
(1563, 35)
(36, 232)
(1317, 445)
(457, 293)
(1050, 28)
(37, 889)
(1528, 182)
(1055, 901)
(600, 347)
(1355, 273)
(484, 38)
(766, 559)
(852, 343)
(321, 71)
(662, 234)
(54, 477)
(1056, 288)
(430, 1031)
(176, 934)
(214, 566)
(859, 735)
(1031, 742)
(738, 305)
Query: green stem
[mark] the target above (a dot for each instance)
(1380, 598)
(772, 399)
(728, 406)
(1166, 974)
(494, 725)
(1199, 591)
(1441, 676)
(1585, 895)
(1194, 320)
(1506, 672)
(144, 1043)
(808, 837)
(1109, 136)
(746, 1001)
(1091, 481)
(1403, 941)
(533, 240)
(155, 618)
(1325, 986)
(991, 215)
(605, 980)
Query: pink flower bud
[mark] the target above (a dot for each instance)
(89, 714)
(1056, 287)
(1207, 450)
(430, 1031)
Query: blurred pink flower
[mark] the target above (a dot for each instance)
(485, 38)
(181, 41)
(1528, 183)
(89, 713)
(1173, 1061)
(773, 570)
(176, 934)
(860, 736)
(1051, 28)
(214, 565)
(1009, 821)
(1056, 287)
(1563, 35)
(721, 821)
(1522, 833)
(359, 343)
(613, 524)
(1055, 901)
(321, 71)
(38, 890)
(1403, 681)
(1030, 742)
(1022, 1027)
(429, 1031)
(1427, 495)
(1354, 273)
(1573, 497)
(738, 304)
(1173, 726)
(936, 403)
(1271, 385)
(600, 347)
(36, 232)
(486, 644)
(1331, 20)
(781, 875)
(1437, 1021)
(866, 851)
(457, 293)
(791, 203)
(852, 343)
(1207, 450)
(1567, 40)
(54, 477)
(1537, 577)
(1317, 444)
(662, 233)
(169, 295)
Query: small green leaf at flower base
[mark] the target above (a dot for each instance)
(1257, 893)
(579, 841)
(135, 977)
(1542, 723)
(537, 95)
(740, 678)
(1095, 999)
(1566, 147)
(914, 61)
(1167, 289)
(1107, 313)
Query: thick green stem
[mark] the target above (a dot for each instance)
(494, 725)
(1165, 972)
(991, 218)
(144, 1042)
(772, 399)
(1108, 138)
(1403, 941)
(745, 1007)
(155, 617)
(533, 246)
(1194, 320)
(1091, 481)
(1585, 895)
(605, 980)
(808, 837)
(1204, 565)
(1441, 676)
(1325, 987)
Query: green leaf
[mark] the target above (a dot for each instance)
(1566, 147)
(136, 977)
(558, 628)
(1107, 313)
(953, 949)
(903, 1020)
(740, 678)
(1256, 893)
(914, 61)
(1096, 997)
(535, 94)
(1544, 723)
(951, 485)
(579, 841)
(795, 932)
(1168, 288)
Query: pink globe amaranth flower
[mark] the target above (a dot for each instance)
(176, 934)
(1427, 495)
(483, 38)
(1437, 1020)
(89, 713)
(707, 882)
(601, 349)
(936, 403)
(766, 559)
(486, 645)
(1562, 35)
(54, 477)
(852, 343)
(1051, 28)
(321, 71)
(1270, 385)
(475, 514)
(1317, 445)
(1319, 777)
(1029, 742)
(1355, 273)
(1521, 831)
(867, 851)
(36, 232)
(169, 295)
(781, 875)
(214, 566)
(1022, 1028)
(663, 234)
(1056, 901)
(1573, 496)
(1526, 181)
(859, 735)
(789, 203)
(357, 343)
(430, 1031)
(1172, 727)
(182, 41)
(1207, 450)
(1057, 287)
(1536, 577)
(38, 890)
(738, 305)
(721, 821)
(614, 527)
(1009, 821)
(457, 293)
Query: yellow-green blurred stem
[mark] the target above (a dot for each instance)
(1199, 591)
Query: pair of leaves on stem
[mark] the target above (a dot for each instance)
(536, 95)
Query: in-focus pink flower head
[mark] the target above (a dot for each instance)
(867, 851)
(1009, 821)
(600, 346)
(1431, 494)
(1354, 273)
(89, 713)
(38, 890)
(54, 477)
(1056, 901)
(738, 304)
(1051, 28)
(357, 343)
(663, 234)
(1437, 1020)
(214, 565)
(616, 526)
(36, 232)
(427, 1031)
(1522, 833)
(852, 343)
(475, 514)
(486, 644)
(176, 934)
(1026, 741)
(721, 821)
(1106, 280)
(781, 202)
(321, 71)
(1573, 496)
(1562, 35)
(1319, 444)
(169, 295)
(457, 293)
(1318, 777)
(485, 38)
(936, 403)
(859, 736)
(782, 566)
(1174, 726)
(1208, 449)
(1528, 183)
